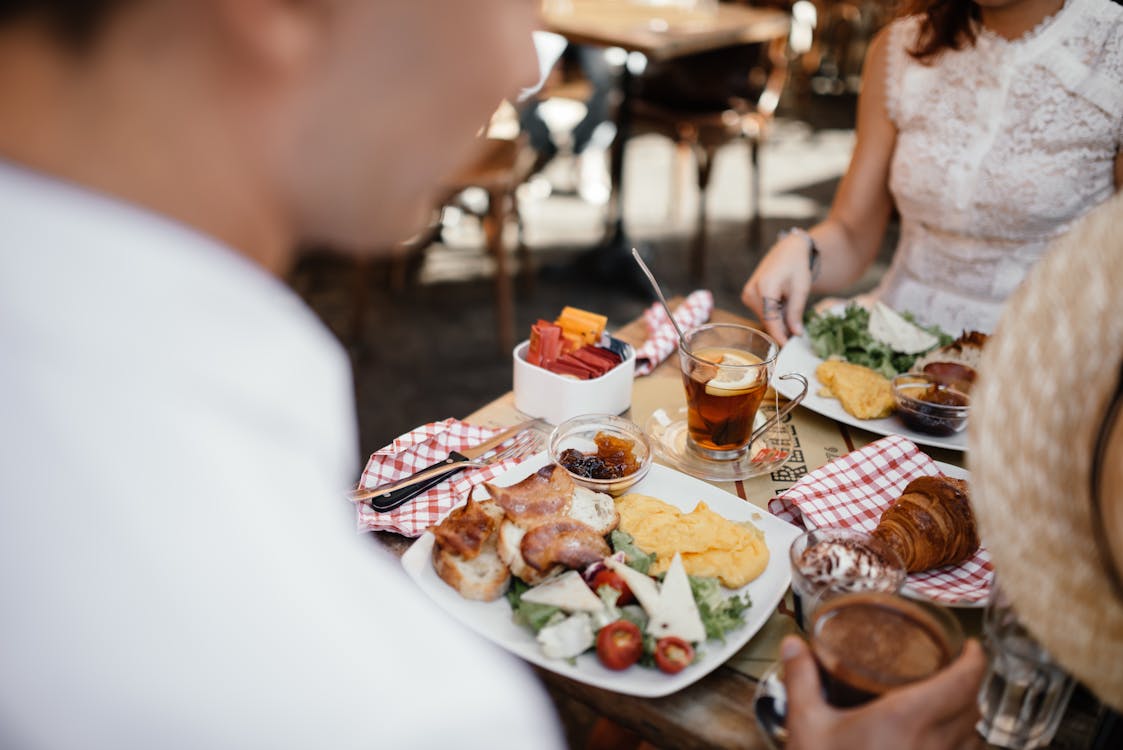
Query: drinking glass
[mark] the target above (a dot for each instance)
(726, 370)
(881, 570)
(865, 645)
(1024, 694)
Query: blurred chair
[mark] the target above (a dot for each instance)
(501, 165)
(502, 162)
(707, 100)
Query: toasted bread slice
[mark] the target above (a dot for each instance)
(509, 548)
(861, 391)
(483, 576)
(594, 509)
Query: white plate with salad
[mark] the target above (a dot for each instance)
(494, 620)
(847, 335)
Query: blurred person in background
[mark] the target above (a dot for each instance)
(601, 78)
(991, 126)
(179, 566)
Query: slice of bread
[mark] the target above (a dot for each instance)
(483, 577)
(594, 509)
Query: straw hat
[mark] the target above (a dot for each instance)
(1047, 403)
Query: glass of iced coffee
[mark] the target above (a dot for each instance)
(726, 372)
(867, 644)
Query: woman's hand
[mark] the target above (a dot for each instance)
(778, 289)
(936, 714)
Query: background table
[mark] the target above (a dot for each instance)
(660, 33)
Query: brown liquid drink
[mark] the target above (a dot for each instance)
(870, 643)
(723, 393)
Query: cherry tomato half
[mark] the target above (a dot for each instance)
(673, 654)
(619, 644)
(611, 578)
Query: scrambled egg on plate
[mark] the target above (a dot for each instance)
(711, 545)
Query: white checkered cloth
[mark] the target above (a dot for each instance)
(662, 338)
(415, 451)
(854, 490)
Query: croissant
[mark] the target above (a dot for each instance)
(930, 524)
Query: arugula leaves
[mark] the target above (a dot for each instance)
(848, 336)
(636, 558)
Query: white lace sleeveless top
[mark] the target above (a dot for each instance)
(1000, 147)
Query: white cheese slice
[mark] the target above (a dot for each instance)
(891, 329)
(643, 586)
(568, 592)
(569, 638)
(676, 613)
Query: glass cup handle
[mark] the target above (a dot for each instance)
(783, 410)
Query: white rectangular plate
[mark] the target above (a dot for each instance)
(796, 356)
(493, 620)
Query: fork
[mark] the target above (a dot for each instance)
(387, 497)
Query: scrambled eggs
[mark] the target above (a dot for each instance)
(711, 545)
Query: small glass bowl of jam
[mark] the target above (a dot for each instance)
(602, 452)
(926, 404)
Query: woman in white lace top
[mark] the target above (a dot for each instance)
(992, 126)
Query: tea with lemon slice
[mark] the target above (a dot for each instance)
(723, 393)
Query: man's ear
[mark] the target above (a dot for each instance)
(271, 35)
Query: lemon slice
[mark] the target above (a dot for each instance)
(735, 378)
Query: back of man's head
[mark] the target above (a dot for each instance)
(260, 123)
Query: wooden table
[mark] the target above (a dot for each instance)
(662, 32)
(715, 711)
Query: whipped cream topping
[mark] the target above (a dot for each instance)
(849, 566)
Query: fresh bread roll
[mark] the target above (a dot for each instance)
(465, 555)
(930, 524)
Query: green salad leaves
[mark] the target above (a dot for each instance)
(720, 613)
(530, 614)
(622, 541)
(848, 336)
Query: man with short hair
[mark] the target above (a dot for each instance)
(178, 566)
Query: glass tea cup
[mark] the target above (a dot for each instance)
(726, 370)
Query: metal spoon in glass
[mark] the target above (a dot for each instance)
(659, 292)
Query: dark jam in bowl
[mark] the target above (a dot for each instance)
(931, 408)
(614, 458)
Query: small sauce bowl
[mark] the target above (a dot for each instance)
(926, 404)
(580, 434)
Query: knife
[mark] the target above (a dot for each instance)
(389, 496)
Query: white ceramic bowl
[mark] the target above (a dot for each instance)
(556, 398)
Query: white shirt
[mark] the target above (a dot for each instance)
(1001, 146)
(178, 563)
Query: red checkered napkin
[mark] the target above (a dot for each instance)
(854, 490)
(662, 338)
(415, 451)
